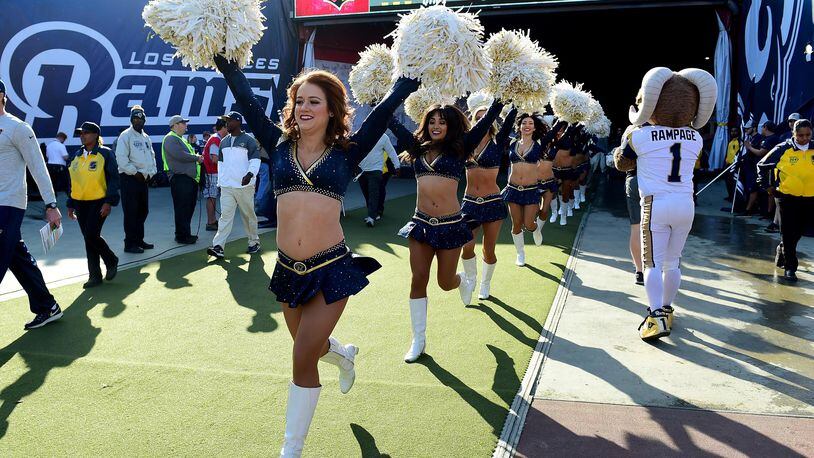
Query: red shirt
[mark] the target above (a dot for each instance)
(210, 166)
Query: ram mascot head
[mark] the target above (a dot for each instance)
(672, 99)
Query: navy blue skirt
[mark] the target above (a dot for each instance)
(584, 167)
(480, 210)
(549, 185)
(441, 232)
(566, 173)
(337, 272)
(521, 195)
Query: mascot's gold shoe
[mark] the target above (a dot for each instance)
(668, 309)
(654, 326)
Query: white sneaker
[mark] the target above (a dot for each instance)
(537, 234)
(370, 222)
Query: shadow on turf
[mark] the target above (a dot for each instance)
(367, 443)
(61, 343)
(260, 300)
(494, 414)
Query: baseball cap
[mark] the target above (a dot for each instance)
(233, 115)
(137, 112)
(176, 119)
(794, 117)
(88, 126)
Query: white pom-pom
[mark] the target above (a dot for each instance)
(477, 100)
(421, 100)
(442, 48)
(600, 127)
(200, 29)
(522, 71)
(570, 103)
(372, 76)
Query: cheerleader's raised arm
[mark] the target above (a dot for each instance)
(377, 121)
(266, 132)
(477, 132)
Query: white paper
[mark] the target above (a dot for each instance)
(49, 237)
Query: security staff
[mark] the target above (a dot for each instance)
(136, 160)
(184, 165)
(94, 190)
(19, 150)
(788, 171)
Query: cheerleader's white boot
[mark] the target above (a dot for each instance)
(342, 356)
(554, 210)
(471, 268)
(537, 234)
(302, 402)
(582, 190)
(486, 280)
(418, 319)
(576, 200)
(466, 287)
(563, 214)
(520, 246)
(569, 208)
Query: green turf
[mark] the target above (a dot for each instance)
(188, 357)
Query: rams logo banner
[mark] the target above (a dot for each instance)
(63, 66)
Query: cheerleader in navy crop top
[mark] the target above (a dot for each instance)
(322, 282)
(438, 228)
(483, 206)
(522, 192)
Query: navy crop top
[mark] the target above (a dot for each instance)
(446, 165)
(330, 174)
(491, 155)
(530, 156)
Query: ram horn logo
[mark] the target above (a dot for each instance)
(338, 4)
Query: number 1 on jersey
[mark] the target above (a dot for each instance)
(674, 176)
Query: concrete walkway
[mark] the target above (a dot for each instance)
(735, 378)
(66, 263)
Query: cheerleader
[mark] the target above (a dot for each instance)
(315, 272)
(565, 170)
(522, 192)
(438, 150)
(582, 165)
(548, 184)
(483, 205)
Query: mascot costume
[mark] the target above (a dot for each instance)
(663, 144)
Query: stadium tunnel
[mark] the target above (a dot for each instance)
(608, 46)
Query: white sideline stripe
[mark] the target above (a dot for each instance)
(513, 427)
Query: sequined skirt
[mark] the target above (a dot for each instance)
(549, 185)
(337, 272)
(566, 173)
(521, 195)
(479, 210)
(441, 232)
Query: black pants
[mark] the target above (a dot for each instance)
(795, 213)
(383, 192)
(370, 182)
(90, 223)
(184, 191)
(59, 177)
(14, 256)
(135, 206)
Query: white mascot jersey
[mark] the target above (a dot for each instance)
(665, 158)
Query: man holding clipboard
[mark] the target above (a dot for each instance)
(19, 149)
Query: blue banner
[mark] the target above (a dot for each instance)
(71, 61)
(776, 62)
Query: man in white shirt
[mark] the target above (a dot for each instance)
(57, 155)
(238, 164)
(19, 150)
(371, 178)
(136, 160)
